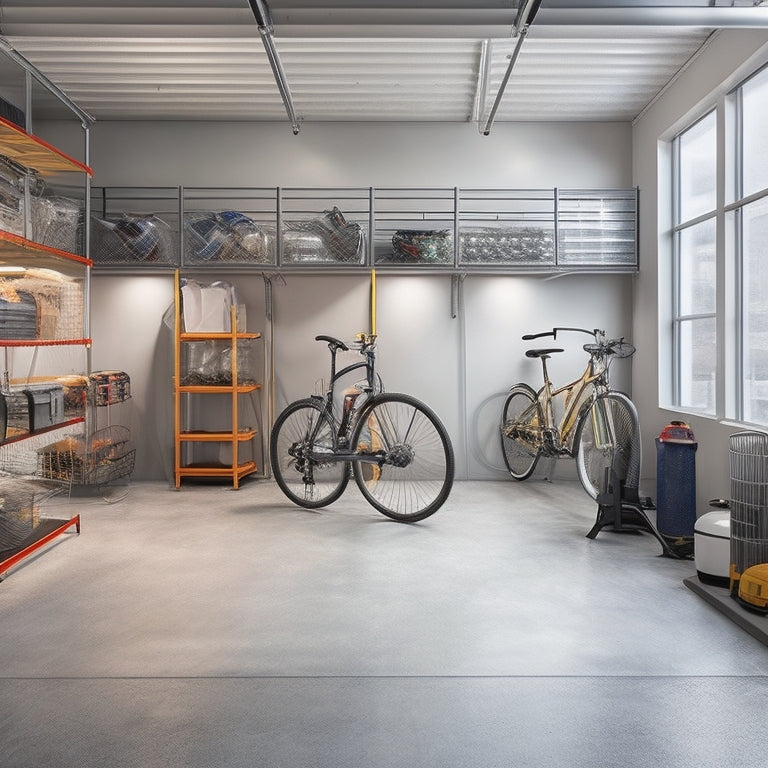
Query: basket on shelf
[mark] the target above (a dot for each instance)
(131, 239)
(106, 455)
(226, 236)
(20, 502)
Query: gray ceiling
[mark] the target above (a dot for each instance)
(443, 60)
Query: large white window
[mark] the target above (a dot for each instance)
(694, 277)
(736, 199)
(750, 216)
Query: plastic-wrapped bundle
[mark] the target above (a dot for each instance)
(209, 363)
(329, 238)
(424, 246)
(56, 222)
(513, 245)
(226, 236)
(18, 312)
(131, 238)
(59, 301)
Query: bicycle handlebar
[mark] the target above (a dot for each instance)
(365, 340)
(553, 333)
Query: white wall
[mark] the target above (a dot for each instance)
(422, 347)
(728, 57)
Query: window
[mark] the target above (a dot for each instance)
(750, 214)
(694, 276)
(703, 201)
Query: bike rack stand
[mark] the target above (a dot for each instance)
(623, 512)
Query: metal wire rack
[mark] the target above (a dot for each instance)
(101, 458)
(748, 455)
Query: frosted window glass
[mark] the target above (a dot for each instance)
(698, 169)
(697, 269)
(698, 364)
(755, 315)
(755, 134)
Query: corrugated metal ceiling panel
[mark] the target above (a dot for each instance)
(139, 59)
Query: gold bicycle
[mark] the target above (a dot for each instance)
(584, 419)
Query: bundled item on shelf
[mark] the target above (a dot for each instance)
(58, 299)
(131, 238)
(507, 245)
(19, 514)
(12, 113)
(110, 387)
(209, 363)
(75, 389)
(46, 405)
(426, 246)
(226, 236)
(22, 499)
(12, 195)
(18, 312)
(326, 238)
(208, 308)
(31, 407)
(106, 455)
(57, 223)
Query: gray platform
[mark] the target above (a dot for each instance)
(754, 623)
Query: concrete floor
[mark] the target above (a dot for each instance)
(217, 628)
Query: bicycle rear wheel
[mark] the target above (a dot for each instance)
(304, 480)
(414, 471)
(520, 419)
(608, 437)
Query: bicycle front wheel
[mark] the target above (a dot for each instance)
(608, 438)
(301, 433)
(413, 470)
(520, 421)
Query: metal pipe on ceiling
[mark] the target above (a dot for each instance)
(266, 30)
(595, 13)
(525, 15)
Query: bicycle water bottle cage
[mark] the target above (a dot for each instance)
(541, 352)
(334, 344)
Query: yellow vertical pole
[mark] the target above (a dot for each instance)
(373, 302)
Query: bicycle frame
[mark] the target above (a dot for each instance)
(579, 394)
(351, 411)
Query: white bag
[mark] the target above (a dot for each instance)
(206, 308)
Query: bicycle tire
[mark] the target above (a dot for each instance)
(415, 474)
(617, 446)
(304, 481)
(520, 455)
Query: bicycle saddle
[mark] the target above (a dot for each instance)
(541, 352)
(333, 343)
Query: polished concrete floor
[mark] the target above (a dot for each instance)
(217, 628)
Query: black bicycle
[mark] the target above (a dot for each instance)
(396, 448)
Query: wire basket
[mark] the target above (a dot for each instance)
(423, 246)
(325, 238)
(507, 245)
(99, 459)
(59, 302)
(57, 222)
(20, 501)
(133, 239)
(748, 456)
(227, 236)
